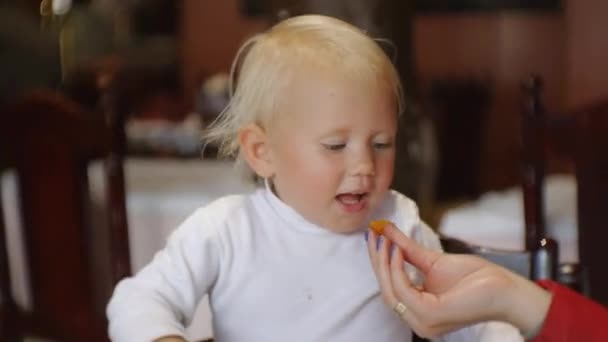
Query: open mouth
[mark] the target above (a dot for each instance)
(353, 202)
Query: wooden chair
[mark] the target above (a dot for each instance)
(48, 141)
(581, 136)
(536, 263)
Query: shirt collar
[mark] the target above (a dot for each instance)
(290, 216)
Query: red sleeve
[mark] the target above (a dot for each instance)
(572, 317)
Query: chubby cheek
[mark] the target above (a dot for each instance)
(384, 173)
(307, 172)
(319, 177)
(305, 163)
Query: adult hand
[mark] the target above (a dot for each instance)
(459, 290)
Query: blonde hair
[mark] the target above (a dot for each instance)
(264, 63)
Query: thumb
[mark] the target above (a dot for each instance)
(420, 257)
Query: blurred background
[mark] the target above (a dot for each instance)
(154, 74)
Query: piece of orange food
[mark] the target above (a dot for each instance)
(379, 225)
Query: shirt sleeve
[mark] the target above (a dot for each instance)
(572, 317)
(160, 300)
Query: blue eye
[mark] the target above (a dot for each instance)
(334, 147)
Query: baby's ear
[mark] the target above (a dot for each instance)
(254, 147)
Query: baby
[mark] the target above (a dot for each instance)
(314, 115)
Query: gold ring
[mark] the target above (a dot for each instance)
(400, 308)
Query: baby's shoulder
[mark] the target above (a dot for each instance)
(226, 208)
(402, 202)
(407, 218)
(401, 210)
(217, 217)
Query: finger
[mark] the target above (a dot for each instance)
(401, 282)
(400, 290)
(383, 272)
(403, 288)
(422, 303)
(372, 250)
(423, 327)
(422, 258)
(419, 314)
(378, 248)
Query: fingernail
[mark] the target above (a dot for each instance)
(379, 242)
(366, 235)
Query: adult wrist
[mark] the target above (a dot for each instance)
(528, 307)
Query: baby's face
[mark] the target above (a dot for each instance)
(333, 149)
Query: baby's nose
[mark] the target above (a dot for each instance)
(364, 165)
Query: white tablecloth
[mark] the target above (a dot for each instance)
(496, 219)
(161, 193)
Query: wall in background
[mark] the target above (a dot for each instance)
(502, 47)
(587, 55)
(211, 33)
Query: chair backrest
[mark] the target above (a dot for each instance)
(580, 136)
(537, 263)
(539, 259)
(49, 141)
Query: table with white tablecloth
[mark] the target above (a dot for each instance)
(496, 219)
(161, 193)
